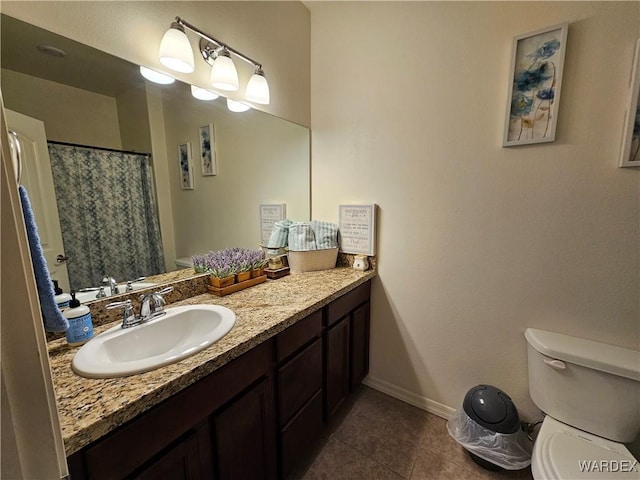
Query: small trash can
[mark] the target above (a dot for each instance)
(488, 427)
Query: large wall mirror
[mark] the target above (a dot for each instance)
(104, 145)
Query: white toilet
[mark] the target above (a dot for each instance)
(590, 392)
(184, 262)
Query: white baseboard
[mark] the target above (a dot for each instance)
(409, 397)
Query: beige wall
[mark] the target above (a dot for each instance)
(69, 114)
(133, 119)
(260, 159)
(477, 242)
(274, 33)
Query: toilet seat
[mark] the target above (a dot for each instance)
(564, 452)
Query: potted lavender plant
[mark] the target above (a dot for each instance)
(258, 263)
(220, 267)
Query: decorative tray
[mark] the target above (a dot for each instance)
(236, 287)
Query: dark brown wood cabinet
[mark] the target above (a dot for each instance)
(347, 346)
(258, 417)
(187, 458)
(299, 391)
(337, 365)
(359, 345)
(244, 436)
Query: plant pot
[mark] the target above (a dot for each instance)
(222, 282)
(257, 272)
(243, 276)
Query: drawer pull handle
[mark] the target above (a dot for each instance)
(555, 364)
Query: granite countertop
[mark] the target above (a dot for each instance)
(90, 408)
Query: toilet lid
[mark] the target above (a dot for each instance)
(574, 457)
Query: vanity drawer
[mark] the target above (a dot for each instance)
(298, 335)
(347, 302)
(299, 379)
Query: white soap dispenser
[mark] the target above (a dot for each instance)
(80, 325)
(62, 299)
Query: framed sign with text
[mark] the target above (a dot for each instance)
(270, 213)
(358, 229)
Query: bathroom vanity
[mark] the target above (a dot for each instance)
(253, 405)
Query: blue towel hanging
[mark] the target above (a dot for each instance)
(54, 321)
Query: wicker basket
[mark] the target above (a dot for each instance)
(312, 260)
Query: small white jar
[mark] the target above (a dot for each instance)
(360, 263)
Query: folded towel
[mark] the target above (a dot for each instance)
(326, 234)
(279, 234)
(301, 237)
(54, 321)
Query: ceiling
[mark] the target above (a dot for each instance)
(82, 66)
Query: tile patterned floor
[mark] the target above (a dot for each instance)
(384, 438)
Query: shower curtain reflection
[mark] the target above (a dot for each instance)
(108, 214)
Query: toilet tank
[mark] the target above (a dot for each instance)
(589, 385)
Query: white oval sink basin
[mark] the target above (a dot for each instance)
(180, 333)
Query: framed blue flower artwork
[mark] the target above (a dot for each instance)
(630, 151)
(537, 61)
(184, 162)
(208, 150)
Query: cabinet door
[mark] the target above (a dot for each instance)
(245, 436)
(298, 380)
(299, 438)
(359, 345)
(337, 366)
(188, 459)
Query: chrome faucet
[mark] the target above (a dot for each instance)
(111, 283)
(151, 306)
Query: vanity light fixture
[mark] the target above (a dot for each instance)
(175, 50)
(224, 75)
(257, 89)
(223, 71)
(237, 107)
(203, 93)
(156, 77)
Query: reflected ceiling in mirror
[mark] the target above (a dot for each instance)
(89, 97)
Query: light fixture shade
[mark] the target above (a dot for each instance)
(156, 77)
(203, 93)
(237, 107)
(175, 50)
(223, 73)
(258, 89)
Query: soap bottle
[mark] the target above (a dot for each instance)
(62, 299)
(80, 325)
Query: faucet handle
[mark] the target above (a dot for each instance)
(129, 283)
(128, 317)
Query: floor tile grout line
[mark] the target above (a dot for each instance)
(374, 460)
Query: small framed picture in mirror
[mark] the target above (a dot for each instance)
(208, 150)
(630, 149)
(184, 160)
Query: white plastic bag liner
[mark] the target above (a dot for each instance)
(511, 451)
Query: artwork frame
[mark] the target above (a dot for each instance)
(207, 140)
(185, 167)
(357, 229)
(535, 82)
(630, 147)
(270, 213)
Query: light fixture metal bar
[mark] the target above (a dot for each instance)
(210, 39)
